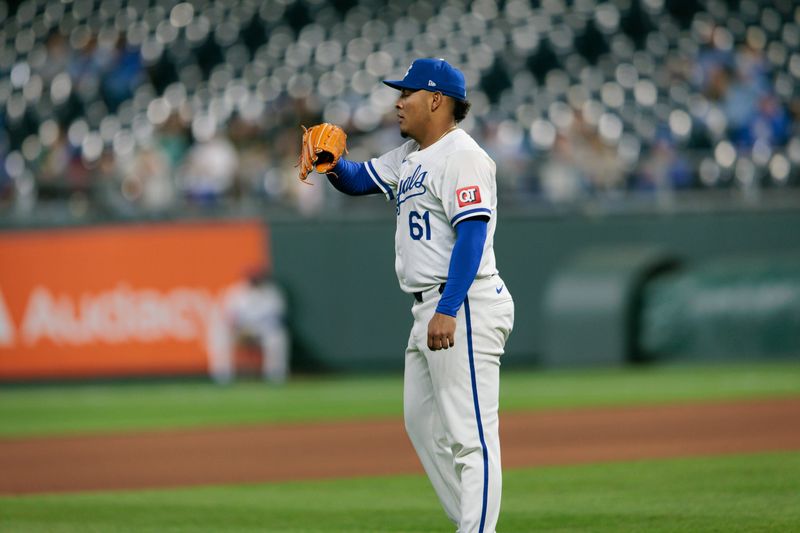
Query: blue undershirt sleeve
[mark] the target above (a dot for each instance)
(352, 178)
(464, 263)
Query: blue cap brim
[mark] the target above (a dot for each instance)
(397, 84)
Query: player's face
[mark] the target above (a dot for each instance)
(412, 112)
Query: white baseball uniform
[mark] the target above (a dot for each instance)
(450, 396)
(257, 312)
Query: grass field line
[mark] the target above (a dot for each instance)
(742, 493)
(93, 408)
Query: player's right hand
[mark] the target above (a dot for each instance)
(441, 332)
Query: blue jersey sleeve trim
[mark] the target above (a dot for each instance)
(469, 213)
(378, 181)
(464, 263)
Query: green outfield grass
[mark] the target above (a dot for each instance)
(748, 493)
(113, 407)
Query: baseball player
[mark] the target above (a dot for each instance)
(252, 312)
(442, 185)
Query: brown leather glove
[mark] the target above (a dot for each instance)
(321, 149)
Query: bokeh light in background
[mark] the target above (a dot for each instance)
(632, 97)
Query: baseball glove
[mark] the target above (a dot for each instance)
(322, 147)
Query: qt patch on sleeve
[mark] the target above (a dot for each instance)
(468, 195)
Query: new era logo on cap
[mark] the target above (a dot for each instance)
(433, 75)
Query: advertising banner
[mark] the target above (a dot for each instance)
(119, 301)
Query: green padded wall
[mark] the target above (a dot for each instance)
(349, 314)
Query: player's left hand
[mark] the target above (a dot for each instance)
(322, 147)
(441, 332)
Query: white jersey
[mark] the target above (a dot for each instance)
(434, 189)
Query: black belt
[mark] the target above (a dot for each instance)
(418, 295)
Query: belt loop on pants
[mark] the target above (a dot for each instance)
(418, 295)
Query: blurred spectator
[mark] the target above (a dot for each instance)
(147, 179)
(173, 140)
(209, 170)
(561, 178)
(58, 56)
(771, 122)
(740, 103)
(61, 170)
(248, 140)
(505, 143)
(664, 169)
(596, 160)
(7, 192)
(122, 74)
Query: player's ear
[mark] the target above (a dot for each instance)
(437, 99)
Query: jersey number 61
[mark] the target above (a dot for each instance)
(416, 229)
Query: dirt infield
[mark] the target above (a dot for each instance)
(380, 447)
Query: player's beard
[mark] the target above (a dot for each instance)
(405, 134)
(403, 131)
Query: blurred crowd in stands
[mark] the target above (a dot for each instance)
(152, 106)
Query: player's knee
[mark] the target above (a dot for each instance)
(462, 452)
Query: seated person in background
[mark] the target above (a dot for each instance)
(254, 316)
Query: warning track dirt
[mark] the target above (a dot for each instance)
(246, 454)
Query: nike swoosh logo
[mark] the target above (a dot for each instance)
(500, 289)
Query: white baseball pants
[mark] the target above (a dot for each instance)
(451, 403)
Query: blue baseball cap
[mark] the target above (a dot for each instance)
(432, 75)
